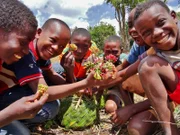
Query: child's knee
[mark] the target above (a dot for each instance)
(145, 67)
(54, 109)
(51, 109)
(150, 64)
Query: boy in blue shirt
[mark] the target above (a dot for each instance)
(17, 28)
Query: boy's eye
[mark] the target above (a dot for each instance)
(108, 51)
(82, 46)
(23, 43)
(161, 22)
(85, 47)
(53, 40)
(115, 51)
(146, 33)
(130, 25)
(61, 47)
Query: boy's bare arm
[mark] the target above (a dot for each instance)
(124, 65)
(122, 115)
(54, 77)
(60, 91)
(123, 75)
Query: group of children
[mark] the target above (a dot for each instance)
(25, 63)
(25, 57)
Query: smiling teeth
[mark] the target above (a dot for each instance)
(17, 56)
(50, 53)
(162, 40)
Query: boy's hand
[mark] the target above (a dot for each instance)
(94, 82)
(27, 107)
(87, 91)
(91, 58)
(121, 115)
(68, 62)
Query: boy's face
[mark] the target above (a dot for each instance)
(83, 43)
(112, 48)
(14, 46)
(132, 31)
(52, 40)
(157, 27)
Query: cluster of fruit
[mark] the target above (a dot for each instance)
(103, 68)
(72, 47)
(42, 89)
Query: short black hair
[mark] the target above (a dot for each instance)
(15, 16)
(140, 8)
(81, 31)
(113, 38)
(52, 20)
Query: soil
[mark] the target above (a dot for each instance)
(104, 127)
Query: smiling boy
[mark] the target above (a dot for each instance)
(159, 73)
(17, 28)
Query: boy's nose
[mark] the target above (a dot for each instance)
(55, 47)
(79, 50)
(157, 32)
(133, 32)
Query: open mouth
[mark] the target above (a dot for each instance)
(50, 52)
(163, 40)
(17, 56)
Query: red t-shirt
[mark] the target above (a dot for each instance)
(79, 70)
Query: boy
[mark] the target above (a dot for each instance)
(49, 42)
(132, 84)
(82, 39)
(159, 73)
(17, 29)
(112, 46)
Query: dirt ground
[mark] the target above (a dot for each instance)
(104, 127)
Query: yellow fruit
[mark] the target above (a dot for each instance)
(72, 47)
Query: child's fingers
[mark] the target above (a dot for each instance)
(43, 99)
(71, 60)
(91, 58)
(32, 98)
(64, 58)
(37, 105)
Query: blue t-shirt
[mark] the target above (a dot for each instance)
(20, 72)
(135, 51)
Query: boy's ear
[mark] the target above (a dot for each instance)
(38, 32)
(174, 16)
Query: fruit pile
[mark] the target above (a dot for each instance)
(42, 89)
(103, 68)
